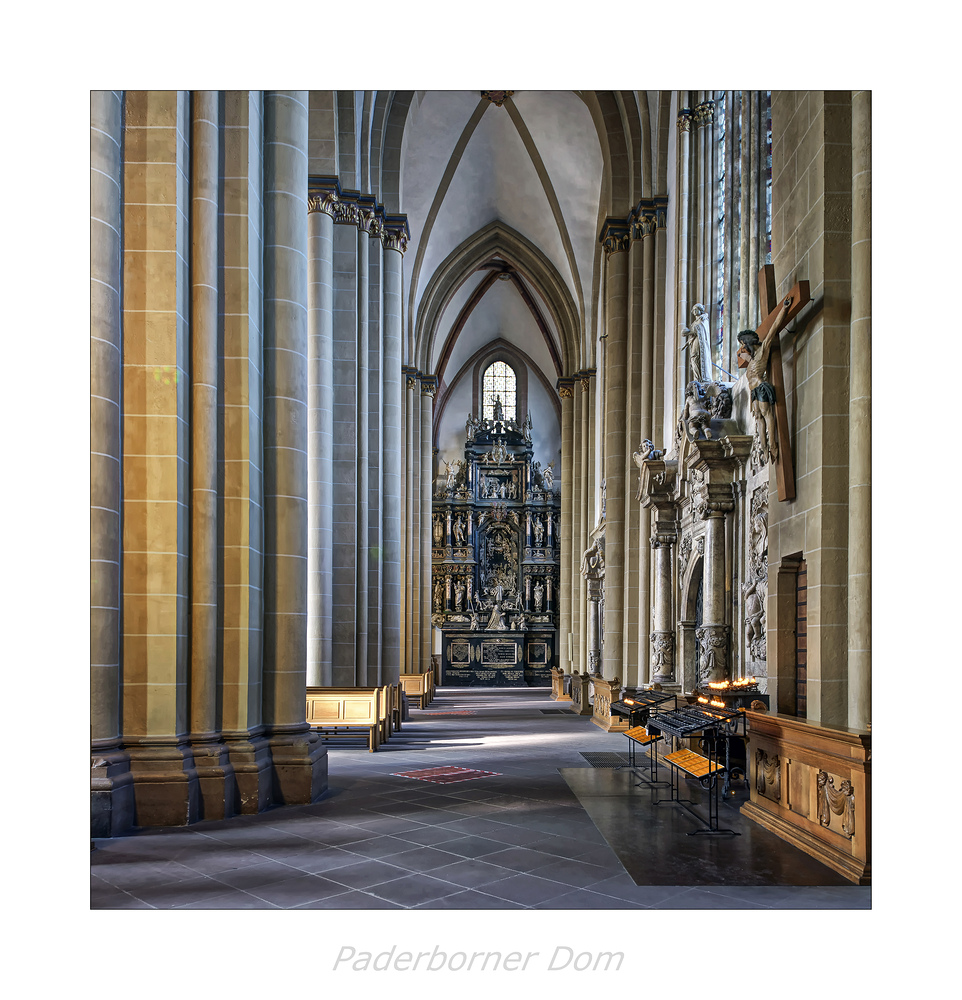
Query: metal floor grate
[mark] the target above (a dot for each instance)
(554, 711)
(605, 759)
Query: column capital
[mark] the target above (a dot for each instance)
(410, 376)
(704, 113)
(352, 208)
(685, 119)
(615, 236)
(395, 233)
(429, 385)
(566, 387)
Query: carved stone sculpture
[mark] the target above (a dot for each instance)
(713, 661)
(538, 596)
(698, 344)
(768, 773)
(840, 801)
(695, 418)
(755, 637)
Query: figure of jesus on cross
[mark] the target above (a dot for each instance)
(755, 353)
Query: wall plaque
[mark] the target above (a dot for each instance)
(537, 652)
(499, 652)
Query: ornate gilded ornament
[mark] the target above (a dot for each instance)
(496, 97)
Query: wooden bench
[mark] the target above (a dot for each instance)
(339, 712)
(419, 688)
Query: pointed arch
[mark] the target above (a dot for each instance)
(498, 240)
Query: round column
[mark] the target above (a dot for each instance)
(860, 422)
(205, 149)
(392, 499)
(320, 396)
(565, 391)
(285, 408)
(616, 242)
(428, 389)
(362, 423)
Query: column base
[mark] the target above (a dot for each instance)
(250, 758)
(215, 776)
(299, 765)
(165, 786)
(111, 794)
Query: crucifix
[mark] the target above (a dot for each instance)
(764, 354)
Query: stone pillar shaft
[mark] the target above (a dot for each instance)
(205, 147)
(616, 458)
(320, 297)
(106, 368)
(567, 453)
(111, 803)
(860, 422)
(285, 408)
(363, 471)
(392, 475)
(427, 416)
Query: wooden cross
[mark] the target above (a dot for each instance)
(769, 306)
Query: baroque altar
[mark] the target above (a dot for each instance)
(495, 559)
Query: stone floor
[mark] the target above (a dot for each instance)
(544, 830)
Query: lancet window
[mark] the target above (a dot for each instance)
(499, 380)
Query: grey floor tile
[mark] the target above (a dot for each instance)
(424, 859)
(473, 874)
(526, 889)
(352, 900)
(585, 899)
(413, 889)
(367, 873)
(297, 890)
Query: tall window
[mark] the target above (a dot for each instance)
(499, 380)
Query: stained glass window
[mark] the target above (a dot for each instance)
(499, 380)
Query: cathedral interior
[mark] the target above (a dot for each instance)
(534, 424)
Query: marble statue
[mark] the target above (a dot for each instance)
(698, 344)
(538, 531)
(538, 597)
(459, 531)
(547, 477)
(756, 353)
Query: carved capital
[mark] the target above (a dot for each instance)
(395, 234)
(323, 201)
(705, 113)
(429, 385)
(685, 119)
(615, 236)
(566, 387)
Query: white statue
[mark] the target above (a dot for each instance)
(698, 344)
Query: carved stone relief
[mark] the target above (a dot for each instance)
(768, 773)
(840, 801)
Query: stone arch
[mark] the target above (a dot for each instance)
(498, 240)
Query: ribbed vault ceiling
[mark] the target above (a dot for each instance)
(534, 166)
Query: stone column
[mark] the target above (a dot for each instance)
(570, 578)
(719, 461)
(320, 399)
(299, 760)
(395, 243)
(210, 754)
(411, 540)
(155, 458)
(615, 238)
(361, 540)
(585, 462)
(682, 252)
(860, 422)
(595, 599)
(111, 802)
(657, 490)
(241, 527)
(429, 386)
(565, 391)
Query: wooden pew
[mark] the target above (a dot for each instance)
(338, 712)
(419, 688)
